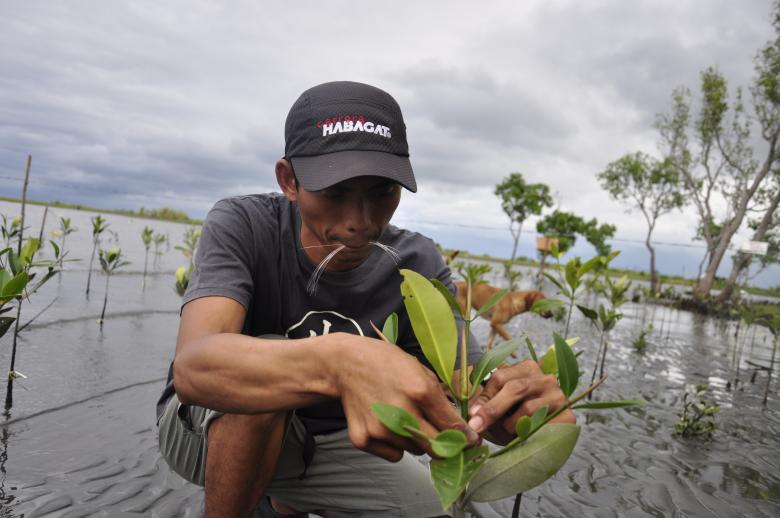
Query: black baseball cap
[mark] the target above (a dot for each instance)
(339, 130)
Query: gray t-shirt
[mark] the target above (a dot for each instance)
(250, 251)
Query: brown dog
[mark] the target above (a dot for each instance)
(512, 304)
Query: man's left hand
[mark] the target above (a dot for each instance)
(512, 392)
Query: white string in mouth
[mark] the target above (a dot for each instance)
(318, 246)
(311, 287)
(314, 280)
(389, 250)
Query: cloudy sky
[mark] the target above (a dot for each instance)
(126, 104)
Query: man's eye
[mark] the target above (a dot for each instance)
(387, 191)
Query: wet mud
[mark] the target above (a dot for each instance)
(80, 439)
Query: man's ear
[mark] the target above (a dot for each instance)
(286, 179)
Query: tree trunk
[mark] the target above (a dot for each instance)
(703, 287)
(653, 274)
(744, 259)
(541, 268)
(515, 235)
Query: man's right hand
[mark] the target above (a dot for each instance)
(370, 371)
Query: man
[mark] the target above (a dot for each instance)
(317, 265)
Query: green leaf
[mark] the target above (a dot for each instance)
(15, 263)
(538, 417)
(596, 405)
(390, 328)
(570, 271)
(564, 291)
(531, 349)
(492, 359)
(588, 266)
(523, 427)
(182, 275)
(395, 419)
(526, 465)
(608, 258)
(448, 297)
(15, 286)
(450, 476)
(4, 278)
(28, 250)
(545, 305)
(568, 371)
(56, 248)
(590, 314)
(432, 321)
(5, 324)
(449, 443)
(492, 301)
(549, 364)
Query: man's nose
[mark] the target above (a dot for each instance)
(358, 216)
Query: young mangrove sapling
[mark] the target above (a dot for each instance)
(461, 475)
(147, 234)
(64, 231)
(191, 238)
(99, 225)
(110, 261)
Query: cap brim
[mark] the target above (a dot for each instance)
(320, 172)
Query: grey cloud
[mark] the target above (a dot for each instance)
(472, 104)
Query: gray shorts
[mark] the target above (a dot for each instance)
(341, 479)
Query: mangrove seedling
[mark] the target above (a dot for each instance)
(640, 342)
(191, 238)
(110, 261)
(182, 279)
(771, 322)
(10, 231)
(698, 414)
(147, 234)
(16, 283)
(571, 279)
(511, 275)
(460, 475)
(64, 231)
(616, 293)
(99, 225)
(158, 240)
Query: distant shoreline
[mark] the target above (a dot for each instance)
(163, 214)
(177, 216)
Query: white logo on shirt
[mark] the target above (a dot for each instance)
(314, 323)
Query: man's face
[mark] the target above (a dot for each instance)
(352, 213)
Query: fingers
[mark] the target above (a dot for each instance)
(373, 437)
(500, 377)
(485, 413)
(440, 415)
(421, 395)
(513, 392)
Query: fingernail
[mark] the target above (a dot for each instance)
(476, 423)
(473, 410)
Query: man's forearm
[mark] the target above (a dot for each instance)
(236, 373)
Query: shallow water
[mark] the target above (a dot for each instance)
(80, 439)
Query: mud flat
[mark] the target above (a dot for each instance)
(80, 439)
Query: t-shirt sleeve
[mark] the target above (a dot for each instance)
(224, 256)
